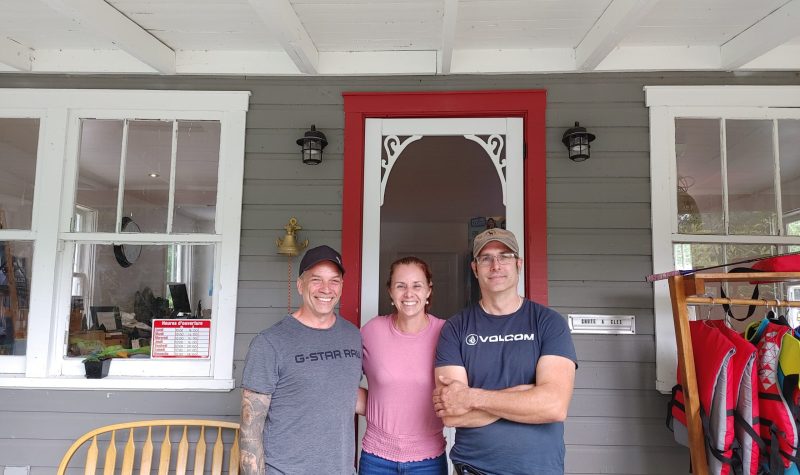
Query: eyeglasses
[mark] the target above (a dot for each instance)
(485, 260)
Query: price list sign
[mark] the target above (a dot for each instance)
(181, 338)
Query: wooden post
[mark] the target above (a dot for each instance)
(691, 397)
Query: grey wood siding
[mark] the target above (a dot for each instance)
(599, 251)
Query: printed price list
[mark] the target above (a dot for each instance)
(179, 338)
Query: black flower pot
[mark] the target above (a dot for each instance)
(97, 369)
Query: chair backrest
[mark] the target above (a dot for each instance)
(143, 436)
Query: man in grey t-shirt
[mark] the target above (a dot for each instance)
(300, 382)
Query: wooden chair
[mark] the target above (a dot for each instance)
(158, 432)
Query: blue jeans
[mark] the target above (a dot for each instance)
(374, 465)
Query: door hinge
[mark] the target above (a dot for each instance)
(524, 151)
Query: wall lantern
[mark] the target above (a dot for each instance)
(577, 139)
(312, 143)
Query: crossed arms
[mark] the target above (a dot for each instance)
(547, 401)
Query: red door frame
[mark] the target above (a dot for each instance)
(528, 104)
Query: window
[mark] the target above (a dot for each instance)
(725, 165)
(120, 198)
(19, 142)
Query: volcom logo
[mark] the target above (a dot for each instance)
(473, 339)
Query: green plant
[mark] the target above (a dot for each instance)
(115, 351)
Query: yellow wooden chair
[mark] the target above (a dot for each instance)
(158, 430)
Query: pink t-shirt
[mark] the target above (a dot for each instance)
(401, 423)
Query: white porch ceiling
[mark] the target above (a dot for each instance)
(310, 37)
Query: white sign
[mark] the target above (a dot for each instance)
(602, 324)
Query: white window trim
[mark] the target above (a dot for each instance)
(666, 103)
(59, 112)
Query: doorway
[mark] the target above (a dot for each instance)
(361, 235)
(431, 185)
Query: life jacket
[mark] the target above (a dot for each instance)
(744, 378)
(713, 352)
(776, 413)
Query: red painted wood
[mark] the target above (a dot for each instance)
(528, 104)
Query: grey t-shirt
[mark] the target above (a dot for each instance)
(312, 376)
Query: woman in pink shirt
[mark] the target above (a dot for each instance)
(403, 433)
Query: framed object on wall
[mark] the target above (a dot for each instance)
(105, 317)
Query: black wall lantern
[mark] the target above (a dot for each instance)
(577, 139)
(312, 142)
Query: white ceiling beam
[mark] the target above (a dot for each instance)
(785, 57)
(282, 20)
(618, 19)
(104, 20)
(235, 62)
(87, 61)
(15, 55)
(377, 62)
(771, 31)
(448, 34)
(661, 58)
(478, 61)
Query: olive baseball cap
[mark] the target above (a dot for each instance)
(495, 234)
(318, 254)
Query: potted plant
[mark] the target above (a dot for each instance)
(98, 362)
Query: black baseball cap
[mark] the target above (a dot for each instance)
(318, 254)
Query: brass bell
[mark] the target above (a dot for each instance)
(288, 245)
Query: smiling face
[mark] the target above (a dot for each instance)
(409, 290)
(495, 277)
(321, 287)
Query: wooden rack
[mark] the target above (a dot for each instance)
(690, 290)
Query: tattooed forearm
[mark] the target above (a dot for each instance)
(251, 442)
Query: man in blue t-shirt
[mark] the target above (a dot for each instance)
(505, 370)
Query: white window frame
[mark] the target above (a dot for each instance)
(60, 112)
(667, 103)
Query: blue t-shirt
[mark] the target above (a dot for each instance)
(499, 352)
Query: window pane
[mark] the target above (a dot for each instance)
(751, 182)
(699, 168)
(147, 174)
(14, 295)
(19, 142)
(789, 149)
(114, 305)
(695, 256)
(196, 177)
(98, 172)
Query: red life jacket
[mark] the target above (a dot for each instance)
(713, 352)
(744, 378)
(778, 427)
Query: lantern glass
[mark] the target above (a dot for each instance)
(312, 152)
(579, 148)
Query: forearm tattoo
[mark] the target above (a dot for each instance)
(251, 442)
